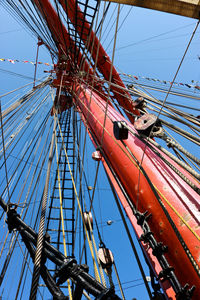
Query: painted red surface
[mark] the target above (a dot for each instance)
(169, 185)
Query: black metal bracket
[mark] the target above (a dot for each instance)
(158, 250)
(119, 130)
(68, 268)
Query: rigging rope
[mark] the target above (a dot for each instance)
(4, 154)
(79, 205)
(165, 101)
(61, 210)
(46, 148)
(109, 82)
(130, 238)
(132, 160)
(40, 239)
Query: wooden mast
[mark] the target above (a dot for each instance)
(186, 8)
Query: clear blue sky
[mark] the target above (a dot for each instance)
(155, 45)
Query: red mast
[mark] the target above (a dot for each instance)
(155, 203)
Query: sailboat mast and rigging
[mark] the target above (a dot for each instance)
(158, 190)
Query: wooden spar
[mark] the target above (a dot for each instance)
(171, 189)
(186, 8)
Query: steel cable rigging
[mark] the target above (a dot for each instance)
(23, 12)
(35, 187)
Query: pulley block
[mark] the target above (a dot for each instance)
(88, 218)
(106, 257)
(147, 124)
